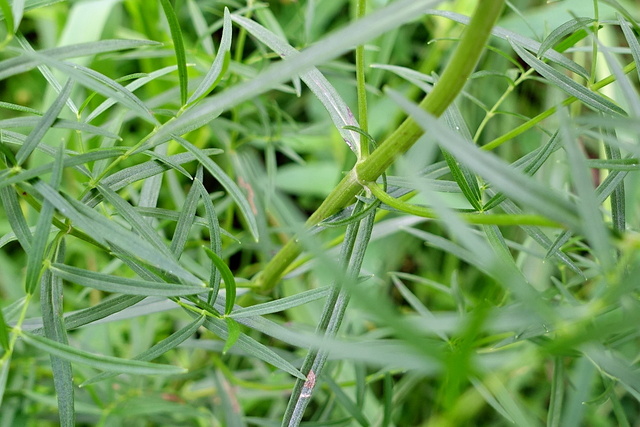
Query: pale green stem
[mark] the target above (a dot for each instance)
(361, 88)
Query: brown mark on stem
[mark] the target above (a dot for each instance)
(308, 386)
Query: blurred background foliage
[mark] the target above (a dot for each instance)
(431, 337)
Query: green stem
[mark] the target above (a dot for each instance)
(455, 75)
(471, 218)
(361, 88)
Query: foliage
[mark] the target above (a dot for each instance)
(319, 213)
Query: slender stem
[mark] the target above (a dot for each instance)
(455, 75)
(361, 8)
(471, 218)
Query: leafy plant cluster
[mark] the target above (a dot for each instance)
(374, 213)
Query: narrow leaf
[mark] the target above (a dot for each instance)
(123, 285)
(525, 42)
(338, 110)
(99, 83)
(512, 182)
(178, 46)
(54, 329)
(234, 333)
(281, 304)
(216, 72)
(15, 216)
(23, 63)
(37, 134)
(360, 31)
(562, 31)
(187, 217)
(227, 276)
(571, 87)
(157, 350)
(215, 243)
(35, 257)
(228, 184)
(252, 347)
(105, 363)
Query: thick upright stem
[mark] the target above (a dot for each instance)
(455, 75)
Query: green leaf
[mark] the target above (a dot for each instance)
(145, 170)
(103, 230)
(334, 45)
(229, 280)
(216, 72)
(131, 87)
(21, 108)
(105, 363)
(557, 393)
(187, 217)
(4, 334)
(515, 38)
(178, 46)
(99, 83)
(4, 375)
(17, 9)
(123, 285)
(215, 231)
(44, 124)
(68, 161)
(346, 402)
(228, 184)
(16, 217)
(502, 176)
(463, 177)
(561, 32)
(281, 304)
(252, 347)
(54, 329)
(138, 224)
(87, 316)
(47, 74)
(571, 87)
(157, 350)
(234, 333)
(28, 5)
(594, 228)
(35, 256)
(200, 25)
(338, 110)
(632, 41)
(19, 122)
(7, 13)
(23, 63)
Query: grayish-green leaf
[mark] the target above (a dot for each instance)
(228, 184)
(20, 64)
(178, 47)
(281, 304)
(215, 73)
(54, 329)
(157, 350)
(105, 363)
(123, 285)
(44, 124)
(573, 88)
(360, 31)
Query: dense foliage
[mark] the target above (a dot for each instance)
(322, 213)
